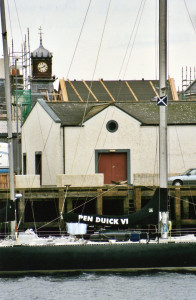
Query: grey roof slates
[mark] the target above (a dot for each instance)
(179, 112)
(191, 88)
(41, 52)
(73, 113)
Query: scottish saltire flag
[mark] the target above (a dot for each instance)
(162, 101)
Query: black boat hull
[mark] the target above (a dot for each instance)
(98, 257)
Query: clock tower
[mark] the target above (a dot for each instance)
(41, 78)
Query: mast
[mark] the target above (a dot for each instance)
(163, 168)
(8, 104)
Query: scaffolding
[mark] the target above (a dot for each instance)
(187, 80)
(22, 103)
(20, 64)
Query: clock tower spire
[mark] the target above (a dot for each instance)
(41, 60)
(40, 33)
(41, 77)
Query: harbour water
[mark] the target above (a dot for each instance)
(114, 286)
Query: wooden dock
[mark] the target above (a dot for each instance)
(39, 207)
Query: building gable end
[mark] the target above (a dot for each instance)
(49, 111)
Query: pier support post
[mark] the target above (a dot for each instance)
(138, 200)
(177, 207)
(99, 204)
(185, 205)
(126, 204)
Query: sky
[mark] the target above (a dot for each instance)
(109, 39)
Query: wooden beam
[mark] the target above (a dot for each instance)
(188, 222)
(107, 90)
(99, 203)
(54, 96)
(155, 91)
(63, 90)
(126, 204)
(177, 208)
(47, 96)
(132, 92)
(173, 89)
(75, 90)
(90, 90)
(138, 199)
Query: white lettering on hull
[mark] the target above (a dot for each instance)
(102, 220)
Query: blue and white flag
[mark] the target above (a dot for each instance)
(162, 101)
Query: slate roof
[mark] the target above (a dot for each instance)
(191, 88)
(118, 89)
(72, 114)
(41, 51)
(179, 112)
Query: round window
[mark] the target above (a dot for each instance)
(112, 126)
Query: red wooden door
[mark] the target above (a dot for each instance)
(113, 166)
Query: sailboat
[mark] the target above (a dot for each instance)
(105, 250)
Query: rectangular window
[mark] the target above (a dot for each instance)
(38, 164)
(24, 164)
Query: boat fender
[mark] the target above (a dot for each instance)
(135, 237)
(169, 226)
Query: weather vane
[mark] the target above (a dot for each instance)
(40, 33)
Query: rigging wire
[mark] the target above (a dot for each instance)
(10, 19)
(18, 20)
(33, 215)
(194, 28)
(131, 37)
(79, 37)
(86, 104)
(128, 45)
(91, 81)
(101, 194)
(87, 101)
(134, 38)
(97, 58)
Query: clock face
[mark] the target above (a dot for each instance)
(42, 67)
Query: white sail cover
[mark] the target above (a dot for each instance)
(76, 228)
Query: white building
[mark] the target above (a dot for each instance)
(71, 143)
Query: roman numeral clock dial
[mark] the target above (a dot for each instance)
(42, 67)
